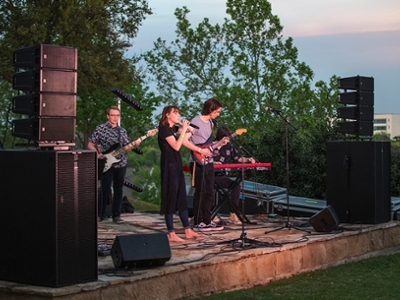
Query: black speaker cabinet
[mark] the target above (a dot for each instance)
(49, 222)
(325, 221)
(45, 129)
(140, 250)
(46, 56)
(45, 105)
(46, 80)
(358, 181)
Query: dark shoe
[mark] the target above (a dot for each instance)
(201, 227)
(213, 226)
(118, 220)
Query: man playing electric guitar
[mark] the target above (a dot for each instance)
(103, 137)
(203, 198)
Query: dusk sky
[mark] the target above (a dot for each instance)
(334, 37)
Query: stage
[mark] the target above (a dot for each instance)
(219, 260)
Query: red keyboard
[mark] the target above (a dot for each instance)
(231, 167)
(239, 166)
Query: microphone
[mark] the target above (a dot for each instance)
(191, 125)
(273, 109)
(126, 98)
(130, 185)
(194, 126)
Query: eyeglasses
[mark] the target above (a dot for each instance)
(114, 115)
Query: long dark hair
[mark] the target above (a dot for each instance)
(210, 105)
(168, 109)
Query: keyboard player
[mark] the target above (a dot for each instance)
(228, 154)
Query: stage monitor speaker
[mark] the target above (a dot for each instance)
(140, 250)
(46, 56)
(45, 129)
(358, 181)
(325, 221)
(45, 105)
(49, 233)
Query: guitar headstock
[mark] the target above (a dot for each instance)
(240, 131)
(152, 132)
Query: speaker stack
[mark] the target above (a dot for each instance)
(358, 181)
(47, 74)
(49, 220)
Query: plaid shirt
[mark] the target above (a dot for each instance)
(105, 136)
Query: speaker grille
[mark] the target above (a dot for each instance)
(50, 228)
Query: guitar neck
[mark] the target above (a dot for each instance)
(220, 142)
(128, 147)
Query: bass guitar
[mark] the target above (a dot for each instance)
(111, 154)
(201, 159)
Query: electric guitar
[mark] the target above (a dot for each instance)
(201, 159)
(111, 154)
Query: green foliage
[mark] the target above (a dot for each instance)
(248, 65)
(395, 171)
(144, 206)
(382, 136)
(101, 31)
(146, 172)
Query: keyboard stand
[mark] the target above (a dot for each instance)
(226, 192)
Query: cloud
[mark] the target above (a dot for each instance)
(311, 18)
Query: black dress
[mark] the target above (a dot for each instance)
(173, 186)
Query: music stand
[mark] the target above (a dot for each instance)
(288, 224)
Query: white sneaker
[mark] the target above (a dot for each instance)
(214, 226)
(201, 227)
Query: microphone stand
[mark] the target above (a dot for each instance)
(244, 242)
(288, 224)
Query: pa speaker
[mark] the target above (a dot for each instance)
(49, 233)
(45, 105)
(358, 181)
(46, 56)
(45, 129)
(325, 221)
(46, 80)
(140, 250)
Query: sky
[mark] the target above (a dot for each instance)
(334, 37)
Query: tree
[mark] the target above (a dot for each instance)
(245, 62)
(101, 31)
(248, 64)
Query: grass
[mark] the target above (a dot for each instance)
(374, 278)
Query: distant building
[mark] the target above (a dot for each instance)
(387, 123)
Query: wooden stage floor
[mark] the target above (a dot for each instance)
(219, 260)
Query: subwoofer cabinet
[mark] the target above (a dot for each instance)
(358, 180)
(48, 228)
